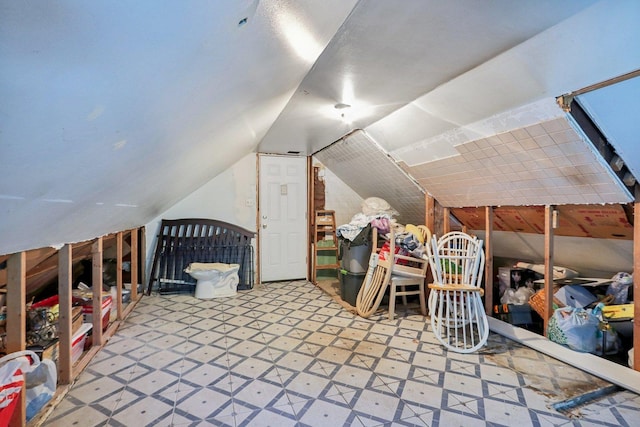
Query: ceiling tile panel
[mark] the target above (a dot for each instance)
(547, 163)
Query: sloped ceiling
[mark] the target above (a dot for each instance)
(371, 173)
(111, 112)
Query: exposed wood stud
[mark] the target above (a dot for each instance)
(488, 267)
(65, 282)
(548, 264)
(16, 301)
(96, 251)
(16, 319)
(118, 302)
(446, 220)
(430, 216)
(135, 268)
(636, 278)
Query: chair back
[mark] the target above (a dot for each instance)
(377, 278)
(457, 259)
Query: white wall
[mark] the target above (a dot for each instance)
(339, 196)
(229, 197)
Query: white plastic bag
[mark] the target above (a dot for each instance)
(11, 383)
(41, 386)
(375, 206)
(576, 328)
(40, 378)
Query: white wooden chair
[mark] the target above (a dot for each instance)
(375, 281)
(404, 275)
(457, 314)
(408, 275)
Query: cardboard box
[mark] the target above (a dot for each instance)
(575, 296)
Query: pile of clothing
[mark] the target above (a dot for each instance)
(376, 212)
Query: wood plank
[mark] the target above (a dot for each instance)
(65, 281)
(96, 250)
(488, 266)
(16, 320)
(548, 265)
(16, 301)
(636, 279)
(118, 302)
(446, 220)
(135, 249)
(430, 212)
(595, 365)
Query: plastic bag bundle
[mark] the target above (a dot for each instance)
(576, 328)
(375, 206)
(519, 297)
(39, 377)
(619, 287)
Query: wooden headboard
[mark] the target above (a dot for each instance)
(183, 241)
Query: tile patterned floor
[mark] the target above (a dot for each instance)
(286, 354)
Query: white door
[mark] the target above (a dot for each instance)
(283, 218)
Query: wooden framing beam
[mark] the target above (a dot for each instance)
(65, 282)
(311, 259)
(135, 268)
(488, 266)
(548, 264)
(446, 220)
(430, 212)
(636, 279)
(118, 302)
(96, 251)
(17, 320)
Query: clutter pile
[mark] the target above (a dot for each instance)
(589, 315)
(355, 243)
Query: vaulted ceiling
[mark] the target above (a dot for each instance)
(111, 112)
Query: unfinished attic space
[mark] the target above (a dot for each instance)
(305, 213)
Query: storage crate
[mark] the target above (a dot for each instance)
(87, 310)
(78, 340)
(516, 314)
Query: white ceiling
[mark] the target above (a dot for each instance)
(112, 111)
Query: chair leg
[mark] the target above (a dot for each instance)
(392, 300)
(404, 295)
(423, 307)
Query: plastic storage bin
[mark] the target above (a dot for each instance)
(350, 284)
(354, 259)
(87, 311)
(78, 340)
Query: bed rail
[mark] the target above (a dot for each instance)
(183, 241)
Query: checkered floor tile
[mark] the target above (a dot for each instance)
(286, 354)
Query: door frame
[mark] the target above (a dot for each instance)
(258, 213)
